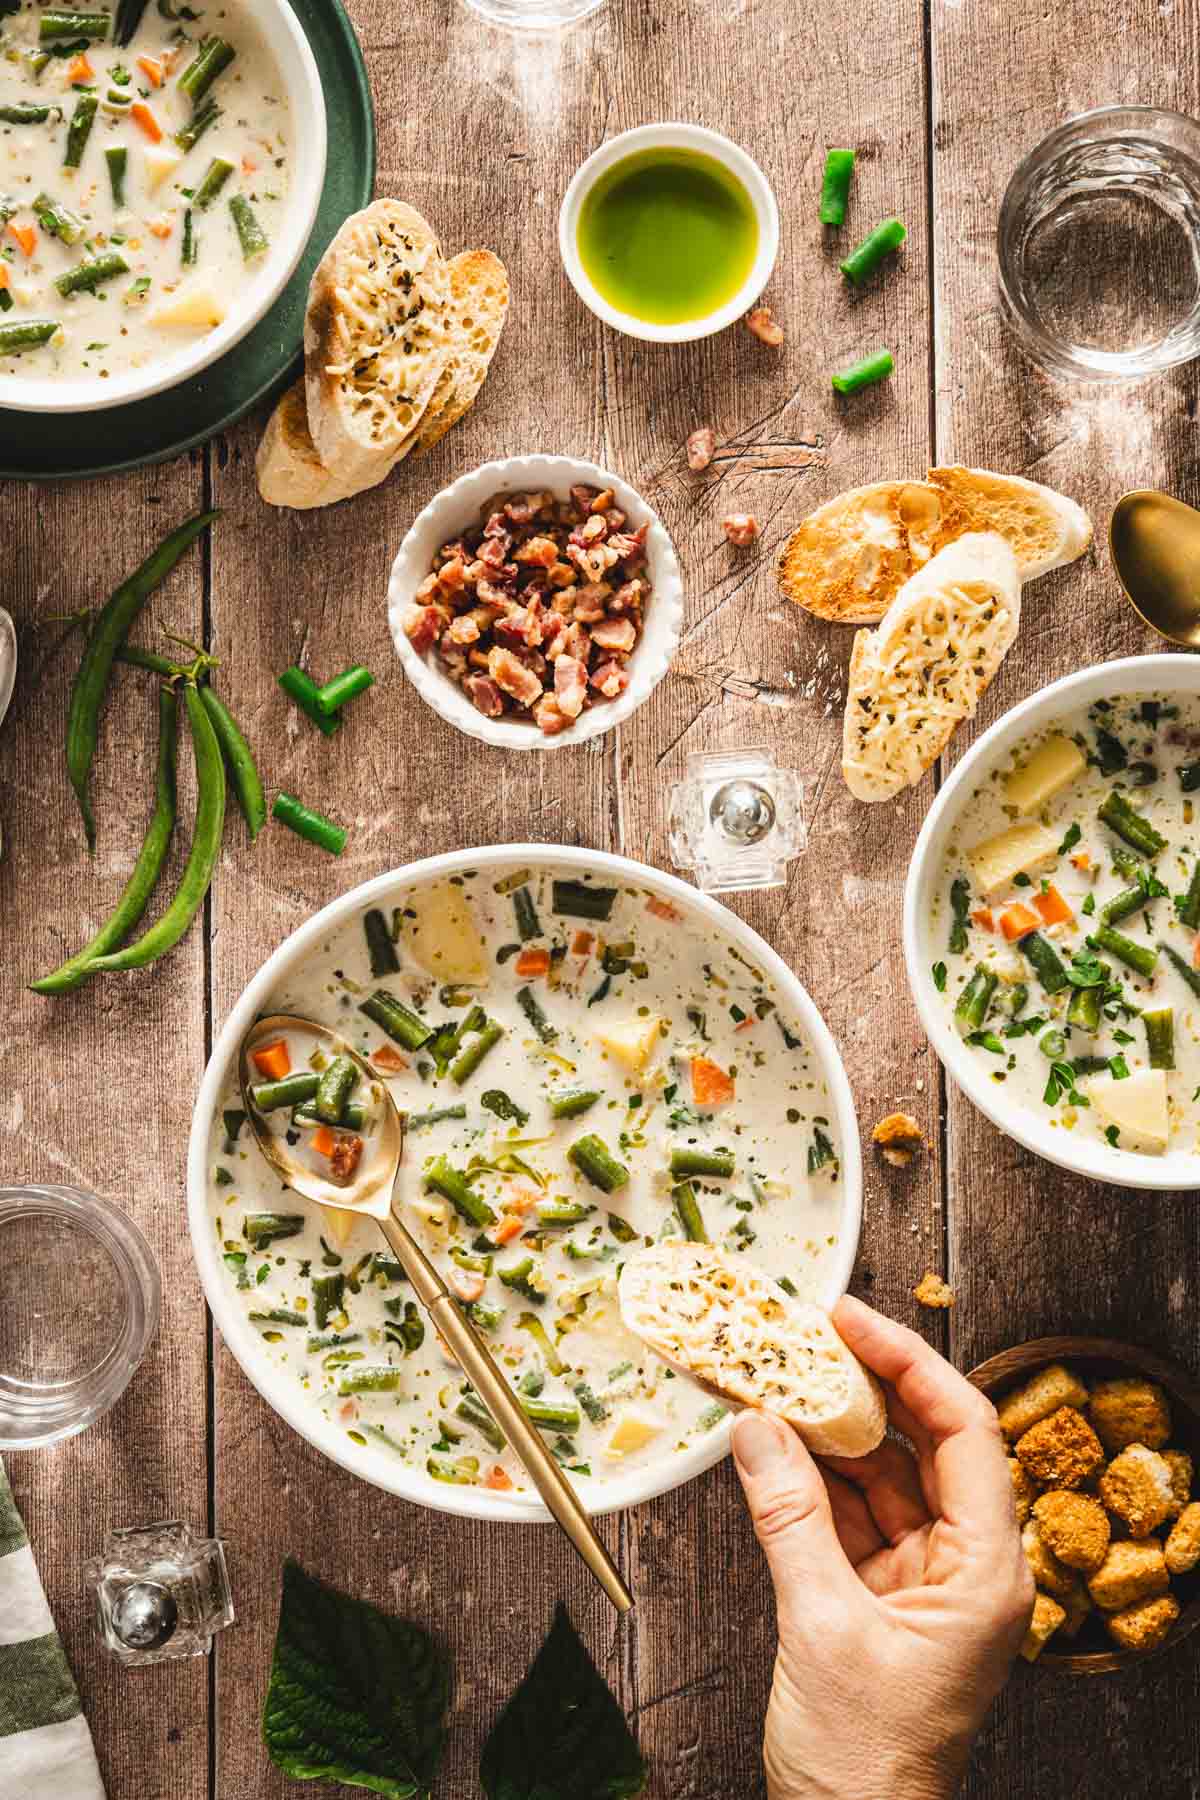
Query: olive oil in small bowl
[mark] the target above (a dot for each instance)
(670, 232)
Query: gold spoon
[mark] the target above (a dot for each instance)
(1155, 545)
(371, 1191)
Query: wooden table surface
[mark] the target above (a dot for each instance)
(482, 132)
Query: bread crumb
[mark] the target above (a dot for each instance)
(933, 1292)
(899, 1138)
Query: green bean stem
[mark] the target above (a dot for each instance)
(313, 826)
(865, 259)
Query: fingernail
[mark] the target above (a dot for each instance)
(758, 1442)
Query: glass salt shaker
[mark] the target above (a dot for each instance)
(736, 820)
(160, 1593)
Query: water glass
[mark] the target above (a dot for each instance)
(534, 15)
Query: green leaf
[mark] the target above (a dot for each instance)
(355, 1695)
(939, 976)
(562, 1736)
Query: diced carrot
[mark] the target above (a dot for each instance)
(26, 236)
(1053, 907)
(1196, 953)
(152, 69)
(982, 916)
(323, 1141)
(79, 69)
(508, 1228)
(1082, 861)
(664, 909)
(521, 1201)
(162, 226)
(711, 1086)
(497, 1479)
(1017, 922)
(745, 1024)
(141, 115)
(582, 943)
(533, 962)
(3, 275)
(389, 1060)
(272, 1060)
(248, 165)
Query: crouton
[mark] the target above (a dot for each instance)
(1182, 1550)
(932, 1291)
(1180, 1465)
(1024, 1490)
(1074, 1526)
(1062, 1451)
(1048, 1615)
(1144, 1626)
(1129, 1573)
(1038, 1397)
(1129, 1410)
(1078, 1606)
(899, 1138)
(1049, 1574)
(1137, 1487)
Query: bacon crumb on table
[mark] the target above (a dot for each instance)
(536, 610)
(763, 323)
(701, 448)
(932, 1291)
(740, 528)
(899, 1138)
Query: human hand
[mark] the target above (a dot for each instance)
(901, 1590)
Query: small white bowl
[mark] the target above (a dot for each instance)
(672, 137)
(287, 44)
(457, 507)
(1129, 677)
(279, 1389)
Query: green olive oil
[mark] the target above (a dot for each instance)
(667, 235)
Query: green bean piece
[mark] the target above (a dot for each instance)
(91, 273)
(58, 219)
(960, 908)
(592, 1157)
(1160, 1037)
(1139, 957)
(290, 1090)
(864, 373)
(1053, 1045)
(1188, 907)
(301, 687)
(233, 1118)
(380, 1378)
(55, 25)
(460, 1471)
(239, 760)
(555, 1213)
(410, 1330)
(353, 1118)
(117, 158)
(533, 1325)
(473, 1412)
(580, 900)
(532, 1382)
(328, 1293)
(251, 235)
(531, 1006)
(24, 112)
(1017, 998)
(456, 1187)
(973, 1002)
(688, 1208)
(189, 135)
(213, 57)
(403, 1026)
(188, 247)
(129, 17)
(335, 1087)
(520, 1277)
(380, 948)
(594, 1407)
(484, 1316)
(262, 1229)
(78, 133)
(573, 1103)
(1137, 831)
(1083, 1011)
(1182, 967)
(419, 1121)
(202, 858)
(465, 1064)
(213, 180)
(332, 1340)
(351, 682)
(26, 334)
(310, 825)
(866, 258)
(528, 923)
(1045, 961)
(835, 186)
(552, 1415)
(135, 896)
(1123, 905)
(476, 1262)
(278, 1315)
(685, 1162)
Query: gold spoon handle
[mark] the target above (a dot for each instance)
(493, 1389)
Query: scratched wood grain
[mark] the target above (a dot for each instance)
(1034, 1250)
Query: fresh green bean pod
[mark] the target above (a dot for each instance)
(313, 826)
(864, 373)
(346, 686)
(866, 257)
(302, 688)
(91, 273)
(1160, 1037)
(78, 133)
(835, 186)
(239, 759)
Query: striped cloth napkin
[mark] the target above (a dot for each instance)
(45, 1746)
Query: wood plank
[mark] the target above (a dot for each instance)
(1034, 1250)
(91, 1100)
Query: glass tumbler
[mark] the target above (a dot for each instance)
(534, 15)
(79, 1299)
(1099, 245)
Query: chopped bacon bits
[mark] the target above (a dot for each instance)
(345, 1156)
(763, 323)
(389, 1061)
(740, 528)
(664, 909)
(536, 610)
(701, 448)
(465, 1284)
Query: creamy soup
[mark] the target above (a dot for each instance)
(140, 184)
(1064, 935)
(583, 1072)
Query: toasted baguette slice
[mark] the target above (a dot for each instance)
(478, 309)
(926, 668)
(290, 473)
(715, 1318)
(849, 559)
(1045, 529)
(375, 339)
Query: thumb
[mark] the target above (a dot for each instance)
(793, 1520)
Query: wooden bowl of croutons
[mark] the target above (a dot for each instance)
(1104, 1442)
